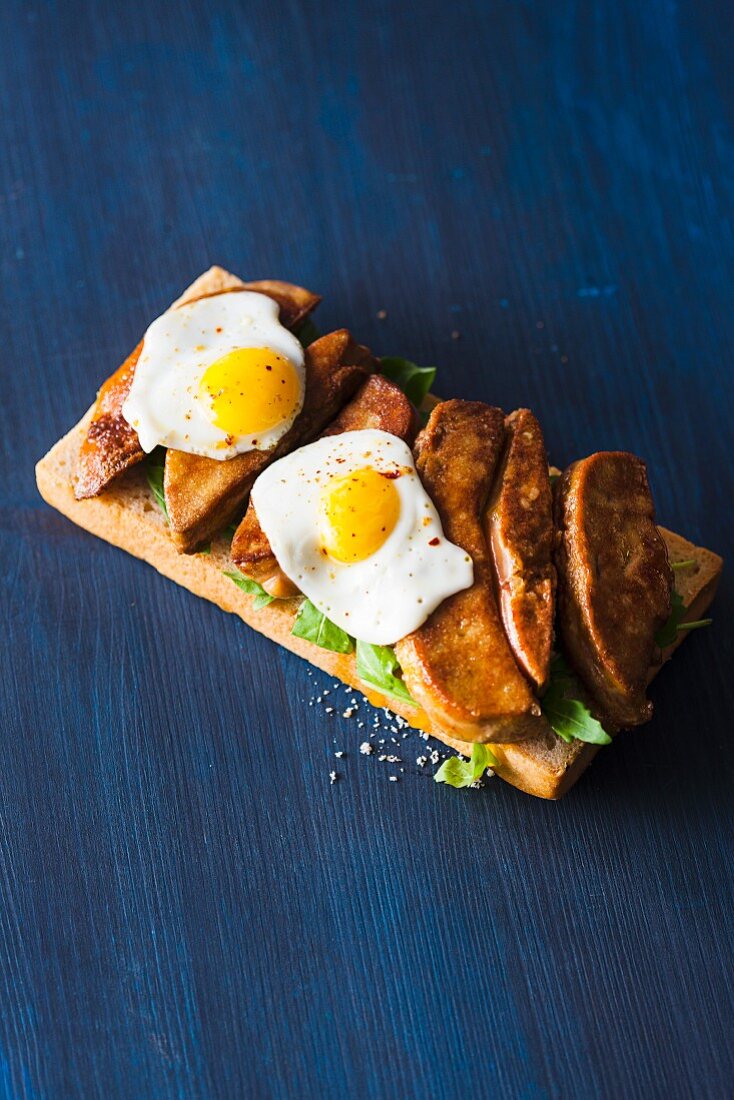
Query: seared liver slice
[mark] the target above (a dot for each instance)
(459, 665)
(519, 523)
(614, 580)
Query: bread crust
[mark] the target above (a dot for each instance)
(128, 517)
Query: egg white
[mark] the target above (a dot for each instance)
(164, 405)
(389, 594)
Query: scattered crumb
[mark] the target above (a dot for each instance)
(385, 722)
(456, 335)
(381, 314)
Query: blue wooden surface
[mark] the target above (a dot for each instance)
(189, 909)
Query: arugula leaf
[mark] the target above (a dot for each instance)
(567, 714)
(247, 584)
(308, 332)
(696, 624)
(669, 632)
(414, 381)
(154, 468)
(377, 665)
(462, 773)
(313, 625)
(683, 564)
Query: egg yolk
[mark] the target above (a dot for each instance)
(250, 390)
(357, 513)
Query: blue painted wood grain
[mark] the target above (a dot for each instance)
(188, 908)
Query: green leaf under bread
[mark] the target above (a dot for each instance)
(462, 773)
(247, 584)
(669, 632)
(313, 625)
(308, 332)
(566, 712)
(154, 468)
(378, 666)
(414, 381)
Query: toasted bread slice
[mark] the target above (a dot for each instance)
(379, 403)
(295, 302)
(110, 445)
(127, 516)
(459, 664)
(203, 495)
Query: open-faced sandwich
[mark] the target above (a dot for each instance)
(420, 550)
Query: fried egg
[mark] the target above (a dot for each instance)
(351, 525)
(216, 377)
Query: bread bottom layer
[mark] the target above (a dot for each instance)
(127, 516)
